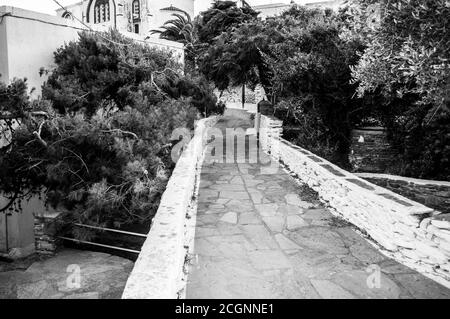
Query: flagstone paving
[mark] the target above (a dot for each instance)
(264, 235)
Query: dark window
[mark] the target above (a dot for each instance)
(67, 15)
(136, 28)
(101, 11)
(136, 10)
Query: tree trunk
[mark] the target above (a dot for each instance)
(243, 96)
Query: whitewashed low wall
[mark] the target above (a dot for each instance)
(411, 233)
(158, 271)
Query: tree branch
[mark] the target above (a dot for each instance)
(122, 132)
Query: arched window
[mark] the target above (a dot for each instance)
(101, 11)
(67, 15)
(136, 10)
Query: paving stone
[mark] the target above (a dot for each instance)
(421, 287)
(356, 282)
(285, 243)
(253, 183)
(240, 206)
(259, 236)
(216, 206)
(228, 229)
(294, 199)
(225, 177)
(294, 222)
(228, 187)
(237, 181)
(211, 211)
(317, 214)
(267, 209)
(209, 219)
(269, 259)
(206, 193)
(290, 209)
(256, 196)
(364, 252)
(229, 218)
(205, 184)
(249, 218)
(317, 264)
(275, 223)
(234, 195)
(102, 274)
(205, 231)
(243, 256)
(319, 239)
(229, 246)
(329, 290)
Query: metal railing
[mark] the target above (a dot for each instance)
(104, 245)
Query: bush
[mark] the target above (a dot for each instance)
(407, 62)
(304, 127)
(99, 143)
(311, 80)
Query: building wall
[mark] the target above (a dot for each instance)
(151, 15)
(4, 71)
(159, 17)
(20, 227)
(331, 4)
(271, 10)
(29, 39)
(202, 5)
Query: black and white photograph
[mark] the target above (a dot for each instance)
(224, 155)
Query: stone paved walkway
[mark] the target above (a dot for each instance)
(101, 276)
(266, 236)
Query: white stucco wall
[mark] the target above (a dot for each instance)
(29, 39)
(151, 15)
(158, 271)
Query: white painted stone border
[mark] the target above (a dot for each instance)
(158, 271)
(405, 179)
(407, 231)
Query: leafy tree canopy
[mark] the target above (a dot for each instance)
(407, 60)
(98, 144)
(222, 16)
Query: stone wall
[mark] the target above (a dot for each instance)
(407, 231)
(159, 270)
(45, 233)
(434, 194)
(370, 150)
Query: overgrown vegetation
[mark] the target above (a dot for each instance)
(98, 143)
(407, 64)
(304, 67)
(384, 63)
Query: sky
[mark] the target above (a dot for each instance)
(48, 6)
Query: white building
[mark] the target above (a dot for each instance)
(136, 16)
(274, 9)
(142, 16)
